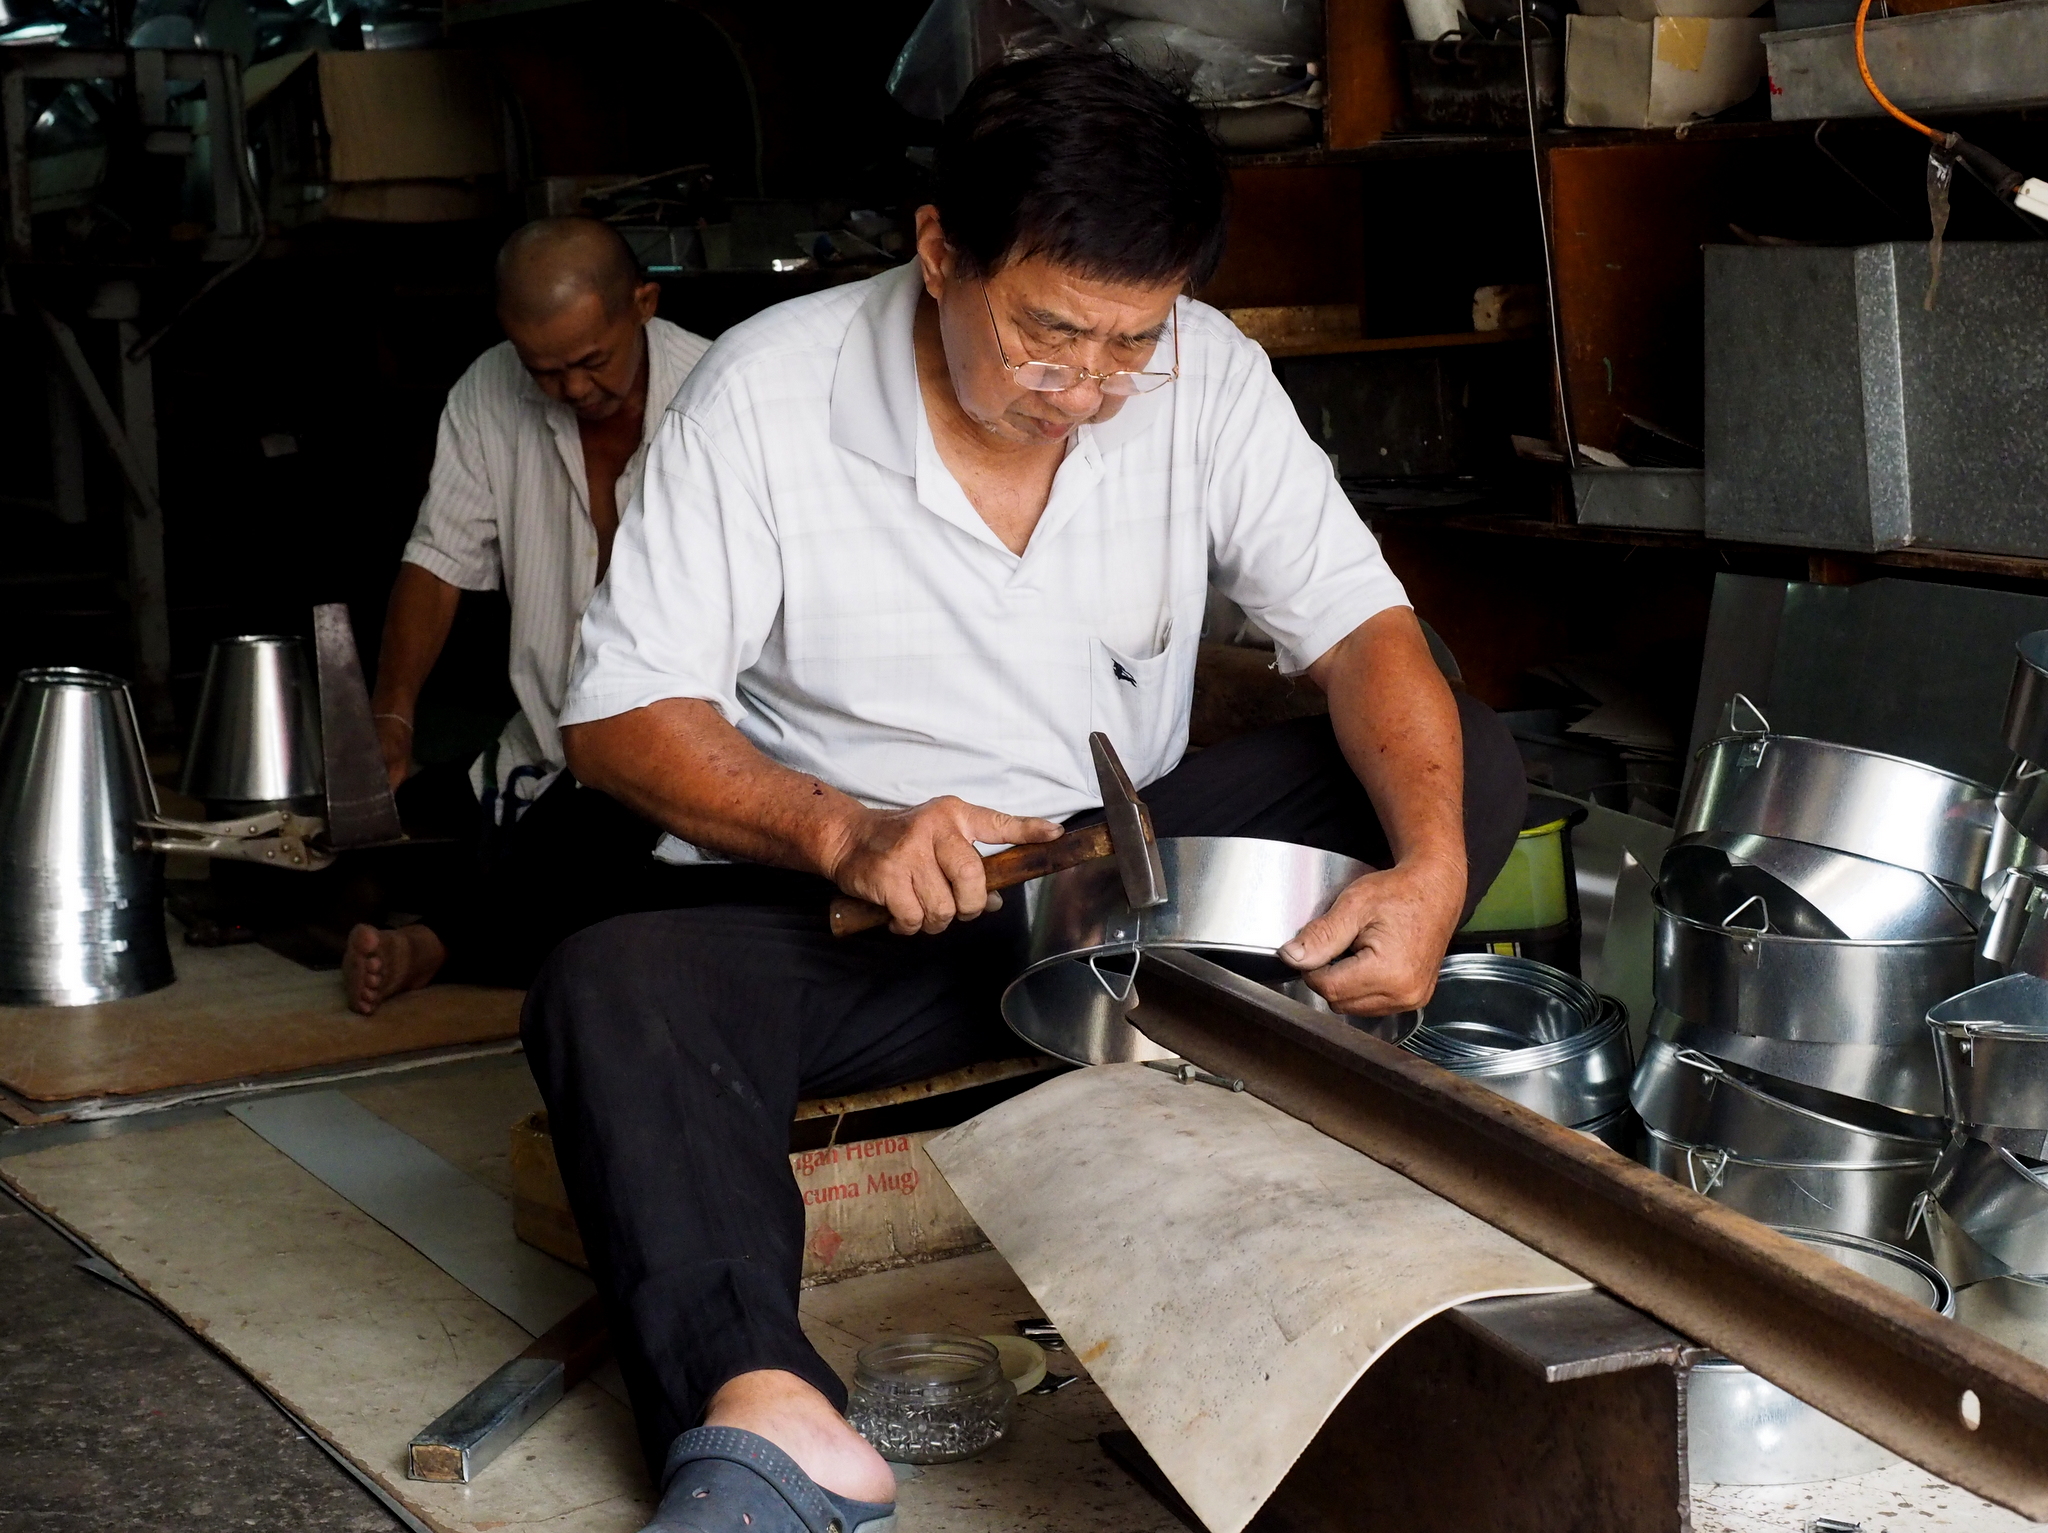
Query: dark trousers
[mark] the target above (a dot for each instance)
(673, 1047)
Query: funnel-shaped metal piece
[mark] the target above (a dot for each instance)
(256, 742)
(360, 809)
(81, 909)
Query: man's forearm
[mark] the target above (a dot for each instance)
(1397, 724)
(684, 767)
(416, 627)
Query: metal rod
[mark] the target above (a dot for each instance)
(139, 482)
(1543, 225)
(1954, 1402)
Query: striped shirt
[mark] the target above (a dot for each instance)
(802, 559)
(508, 505)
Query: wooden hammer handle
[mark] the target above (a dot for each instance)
(1003, 870)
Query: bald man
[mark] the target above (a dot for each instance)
(542, 445)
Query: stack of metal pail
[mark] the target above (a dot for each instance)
(1535, 1034)
(1986, 1210)
(81, 908)
(1816, 901)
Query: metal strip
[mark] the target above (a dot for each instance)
(456, 1222)
(1954, 1402)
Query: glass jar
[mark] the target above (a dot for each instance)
(930, 1399)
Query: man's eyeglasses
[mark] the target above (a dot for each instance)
(1058, 377)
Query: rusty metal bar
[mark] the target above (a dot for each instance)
(1954, 1402)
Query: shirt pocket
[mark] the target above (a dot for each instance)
(1141, 703)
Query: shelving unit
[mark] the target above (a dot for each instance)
(1611, 224)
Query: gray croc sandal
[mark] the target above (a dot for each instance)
(724, 1480)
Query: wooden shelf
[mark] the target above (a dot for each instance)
(1411, 146)
(1836, 564)
(1328, 346)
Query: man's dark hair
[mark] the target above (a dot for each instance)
(1087, 160)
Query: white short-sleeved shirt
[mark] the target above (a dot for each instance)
(508, 505)
(802, 559)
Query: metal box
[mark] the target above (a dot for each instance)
(1656, 499)
(1842, 413)
(1421, 414)
(1968, 59)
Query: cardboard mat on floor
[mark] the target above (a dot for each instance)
(233, 1013)
(367, 1340)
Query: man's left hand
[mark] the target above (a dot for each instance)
(1394, 926)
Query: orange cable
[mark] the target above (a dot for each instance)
(1863, 68)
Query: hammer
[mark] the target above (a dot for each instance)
(1125, 834)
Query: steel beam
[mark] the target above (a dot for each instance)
(1952, 1401)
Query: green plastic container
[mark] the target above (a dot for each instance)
(1534, 889)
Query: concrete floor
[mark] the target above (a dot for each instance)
(114, 1418)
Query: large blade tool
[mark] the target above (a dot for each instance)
(1125, 834)
(360, 809)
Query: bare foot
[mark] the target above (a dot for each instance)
(802, 1423)
(376, 965)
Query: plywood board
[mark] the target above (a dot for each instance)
(367, 1340)
(1226, 1272)
(233, 1013)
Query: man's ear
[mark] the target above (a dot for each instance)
(646, 299)
(934, 255)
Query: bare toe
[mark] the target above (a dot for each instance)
(363, 968)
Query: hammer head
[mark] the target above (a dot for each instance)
(1130, 829)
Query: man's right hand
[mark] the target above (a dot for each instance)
(394, 742)
(921, 864)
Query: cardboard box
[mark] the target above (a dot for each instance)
(868, 1204)
(406, 136)
(1620, 72)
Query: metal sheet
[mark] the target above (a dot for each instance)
(457, 1223)
(1970, 60)
(360, 808)
(1971, 1411)
(1216, 1264)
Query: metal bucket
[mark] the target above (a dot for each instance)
(2010, 1310)
(1991, 1047)
(1620, 1131)
(1961, 1260)
(1810, 891)
(256, 742)
(1904, 1078)
(1868, 804)
(1692, 1098)
(1736, 979)
(1870, 1199)
(1996, 1200)
(2026, 705)
(1530, 1032)
(81, 909)
(1743, 1430)
(2023, 796)
(1227, 895)
(2014, 939)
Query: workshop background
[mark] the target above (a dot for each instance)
(1695, 395)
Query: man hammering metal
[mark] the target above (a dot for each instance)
(903, 547)
(542, 446)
